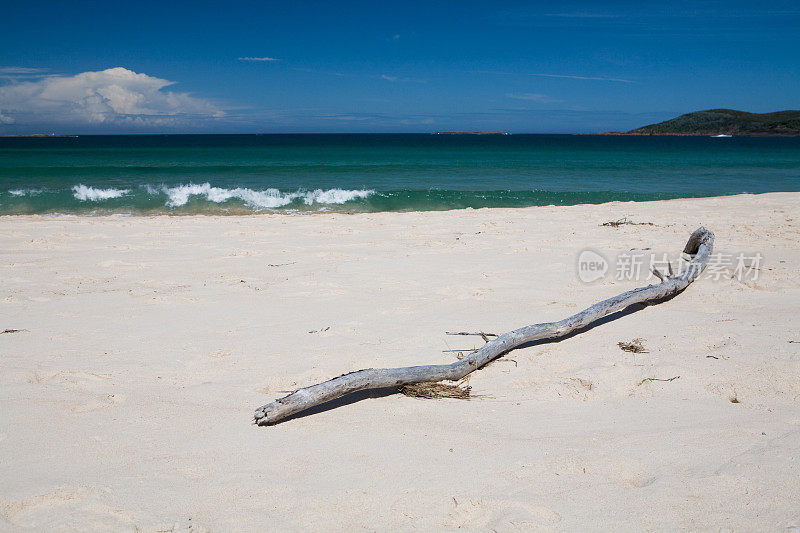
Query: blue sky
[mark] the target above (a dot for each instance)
(537, 67)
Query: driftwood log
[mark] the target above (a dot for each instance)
(698, 247)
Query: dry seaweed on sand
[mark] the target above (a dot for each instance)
(634, 346)
(645, 380)
(436, 390)
(624, 221)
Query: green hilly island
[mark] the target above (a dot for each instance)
(727, 122)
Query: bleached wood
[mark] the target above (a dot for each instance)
(699, 247)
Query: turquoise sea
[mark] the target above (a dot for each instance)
(240, 174)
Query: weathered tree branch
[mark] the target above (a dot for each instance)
(699, 247)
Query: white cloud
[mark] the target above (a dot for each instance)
(116, 96)
(543, 75)
(22, 73)
(533, 97)
(393, 79)
(6, 119)
(257, 59)
(598, 78)
(21, 70)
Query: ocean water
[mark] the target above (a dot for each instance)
(241, 174)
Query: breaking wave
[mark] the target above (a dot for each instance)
(84, 193)
(204, 198)
(264, 199)
(191, 198)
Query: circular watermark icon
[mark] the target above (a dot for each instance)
(592, 265)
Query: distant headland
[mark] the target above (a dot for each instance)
(725, 122)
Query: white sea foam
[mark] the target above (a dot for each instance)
(84, 193)
(25, 192)
(268, 198)
(334, 196)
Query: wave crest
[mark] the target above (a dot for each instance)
(91, 194)
(265, 199)
(335, 196)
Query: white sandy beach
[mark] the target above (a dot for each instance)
(145, 344)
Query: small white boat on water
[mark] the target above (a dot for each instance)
(721, 135)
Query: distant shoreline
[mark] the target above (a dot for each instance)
(472, 133)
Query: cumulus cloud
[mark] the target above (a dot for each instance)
(257, 59)
(116, 96)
